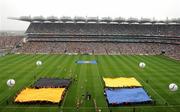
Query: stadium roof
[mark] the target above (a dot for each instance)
(65, 19)
(106, 19)
(92, 19)
(79, 19)
(118, 20)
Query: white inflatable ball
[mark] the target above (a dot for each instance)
(39, 63)
(11, 82)
(142, 65)
(173, 87)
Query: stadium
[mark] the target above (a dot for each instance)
(91, 64)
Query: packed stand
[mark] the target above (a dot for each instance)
(9, 42)
(104, 29)
(102, 48)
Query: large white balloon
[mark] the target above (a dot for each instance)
(39, 63)
(142, 65)
(11, 82)
(173, 87)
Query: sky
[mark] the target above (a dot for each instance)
(159, 9)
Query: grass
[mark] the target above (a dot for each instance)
(160, 72)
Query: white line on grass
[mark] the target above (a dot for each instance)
(100, 82)
(148, 106)
(62, 106)
(152, 89)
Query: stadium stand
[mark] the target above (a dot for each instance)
(103, 29)
(7, 43)
(170, 50)
(104, 37)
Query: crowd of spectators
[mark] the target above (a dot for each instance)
(141, 39)
(104, 29)
(9, 42)
(102, 48)
(106, 39)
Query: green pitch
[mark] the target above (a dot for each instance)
(160, 71)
